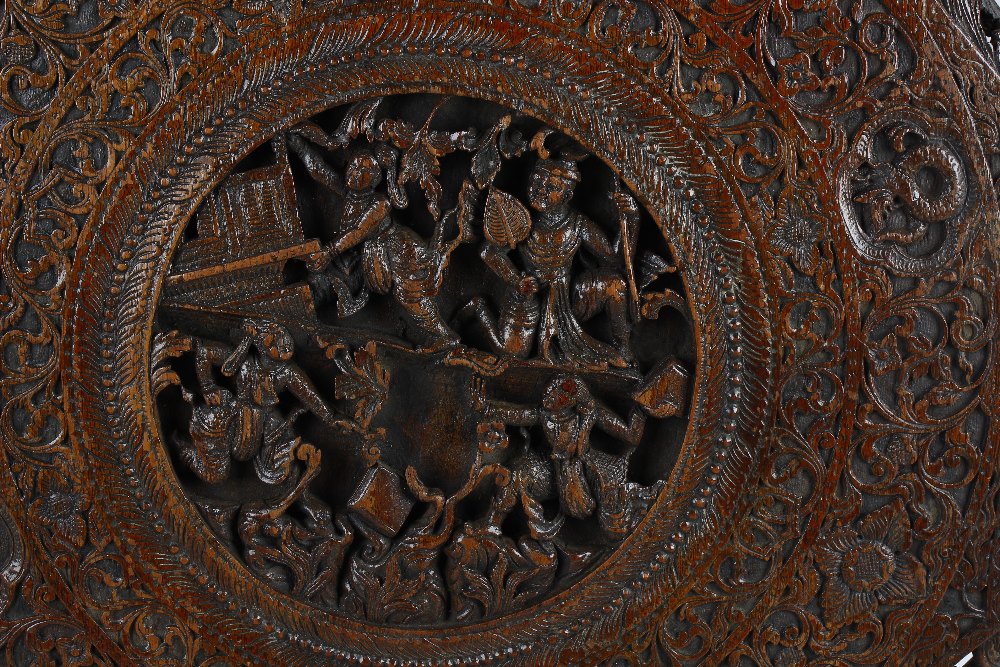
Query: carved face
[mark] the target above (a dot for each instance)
(562, 394)
(549, 190)
(275, 342)
(363, 172)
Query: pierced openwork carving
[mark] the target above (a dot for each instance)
(904, 190)
(603, 332)
(413, 365)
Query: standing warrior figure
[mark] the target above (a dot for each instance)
(540, 298)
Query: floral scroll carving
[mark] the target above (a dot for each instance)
(799, 198)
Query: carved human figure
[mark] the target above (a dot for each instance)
(394, 258)
(585, 480)
(544, 301)
(247, 424)
(382, 206)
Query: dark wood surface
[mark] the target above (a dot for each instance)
(583, 332)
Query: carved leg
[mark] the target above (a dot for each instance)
(477, 311)
(518, 323)
(596, 292)
(513, 332)
(424, 312)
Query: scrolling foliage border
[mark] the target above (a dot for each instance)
(82, 80)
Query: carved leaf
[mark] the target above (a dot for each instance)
(506, 221)
(486, 162)
(651, 267)
(360, 118)
(511, 143)
(422, 148)
(62, 512)
(432, 191)
(406, 588)
(489, 575)
(167, 345)
(364, 381)
(399, 132)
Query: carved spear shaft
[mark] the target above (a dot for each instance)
(628, 249)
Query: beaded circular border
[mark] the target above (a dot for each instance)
(271, 84)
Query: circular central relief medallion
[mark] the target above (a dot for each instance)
(422, 360)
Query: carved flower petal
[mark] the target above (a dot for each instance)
(859, 605)
(888, 525)
(908, 581)
(829, 561)
(841, 540)
(836, 596)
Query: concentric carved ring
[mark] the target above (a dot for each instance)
(122, 275)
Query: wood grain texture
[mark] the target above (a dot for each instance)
(612, 332)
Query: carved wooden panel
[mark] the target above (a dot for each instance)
(513, 332)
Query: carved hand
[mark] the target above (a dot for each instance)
(214, 397)
(527, 285)
(627, 206)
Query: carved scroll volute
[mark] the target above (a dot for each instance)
(905, 190)
(678, 350)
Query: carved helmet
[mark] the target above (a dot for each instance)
(564, 169)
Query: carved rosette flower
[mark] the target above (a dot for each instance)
(492, 437)
(869, 566)
(61, 510)
(797, 75)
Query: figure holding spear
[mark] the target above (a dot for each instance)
(628, 220)
(550, 301)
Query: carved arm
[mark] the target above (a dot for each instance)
(207, 355)
(299, 385)
(614, 425)
(500, 264)
(372, 216)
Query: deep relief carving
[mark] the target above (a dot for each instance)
(405, 413)
(865, 529)
(904, 190)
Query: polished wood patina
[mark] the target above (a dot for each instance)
(521, 332)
